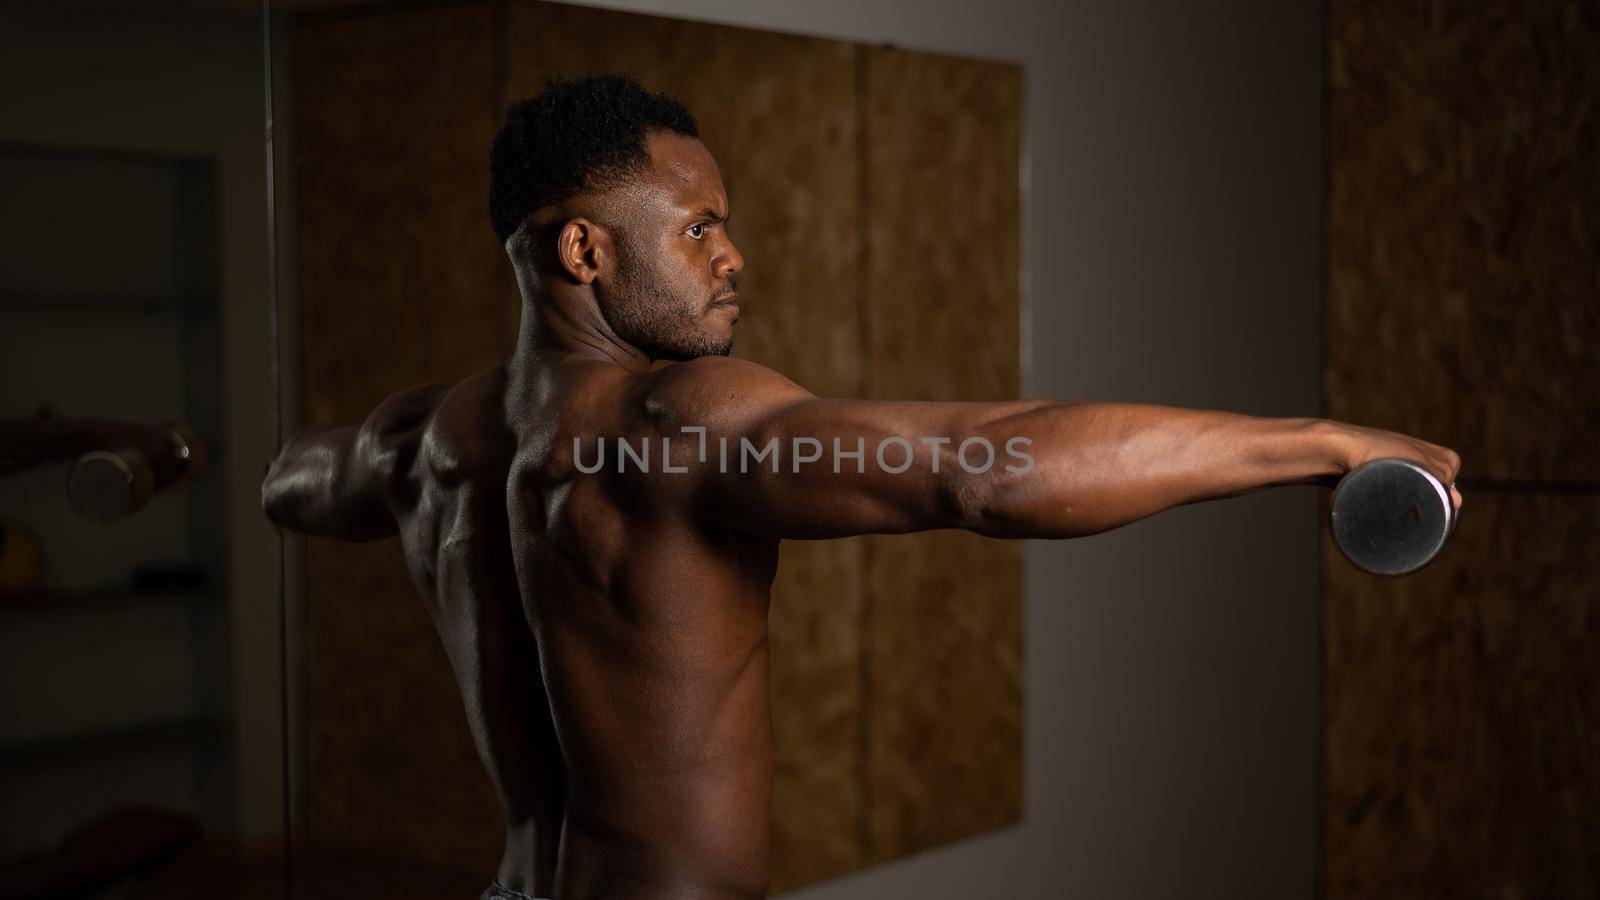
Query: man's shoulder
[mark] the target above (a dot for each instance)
(405, 411)
(713, 388)
(447, 425)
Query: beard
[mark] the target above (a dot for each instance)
(663, 325)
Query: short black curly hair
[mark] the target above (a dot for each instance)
(576, 135)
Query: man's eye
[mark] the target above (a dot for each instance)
(697, 230)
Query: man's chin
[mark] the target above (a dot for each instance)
(719, 350)
(684, 354)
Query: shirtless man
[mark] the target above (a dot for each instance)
(635, 601)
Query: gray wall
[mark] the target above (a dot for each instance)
(1174, 256)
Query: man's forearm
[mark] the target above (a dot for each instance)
(25, 443)
(1101, 465)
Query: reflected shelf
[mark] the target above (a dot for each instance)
(97, 742)
(121, 596)
(89, 302)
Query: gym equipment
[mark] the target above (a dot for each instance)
(105, 486)
(1391, 516)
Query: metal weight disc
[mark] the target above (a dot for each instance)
(104, 487)
(1391, 516)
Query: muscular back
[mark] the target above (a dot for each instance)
(444, 454)
(610, 648)
(652, 631)
(646, 592)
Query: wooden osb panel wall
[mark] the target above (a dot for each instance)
(943, 654)
(400, 283)
(1462, 751)
(896, 676)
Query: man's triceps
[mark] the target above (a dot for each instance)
(301, 488)
(824, 468)
(344, 482)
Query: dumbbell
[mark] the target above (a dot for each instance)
(1391, 516)
(107, 485)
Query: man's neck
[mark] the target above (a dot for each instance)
(559, 329)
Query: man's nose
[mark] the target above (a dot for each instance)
(729, 262)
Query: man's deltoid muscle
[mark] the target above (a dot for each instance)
(596, 537)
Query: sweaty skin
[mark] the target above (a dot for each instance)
(609, 629)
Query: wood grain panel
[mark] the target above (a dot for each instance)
(778, 113)
(944, 238)
(815, 641)
(401, 282)
(946, 689)
(1461, 704)
(1464, 292)
(943, 298)
(392, 768)
(1464, 307)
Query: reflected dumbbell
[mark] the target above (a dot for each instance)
(107, 485)
(1391, 516)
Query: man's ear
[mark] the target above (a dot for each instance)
(582, 248)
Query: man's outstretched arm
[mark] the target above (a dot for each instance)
(1017, 469)
(1103, 465)
(25, 443)
(342, 482)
